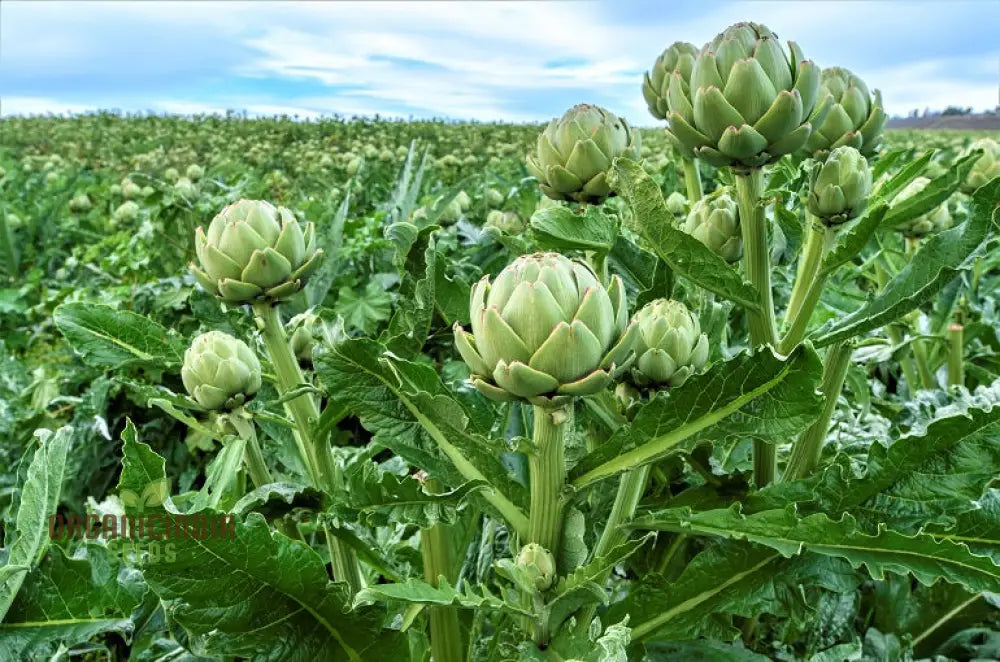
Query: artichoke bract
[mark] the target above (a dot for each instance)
(748, 102)
(254, 251)
(575, 152)
(986, 167)
(220, 371)
(670, 346)
(538, 563)
(839, 187)
(545, 330)
(855, 118)
(714, 220)
(935, 220)
(679, 57)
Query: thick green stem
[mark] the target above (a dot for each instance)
(435, 546)
(316, 452)
(923, 365)
(807, 288)
(809, 446)
(956, 355)
(252, 455)
(896, 336)
(548, 475)
(757, 267)
(692, 180)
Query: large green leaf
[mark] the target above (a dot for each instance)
(401, 401)
(753, 395)
(110, 338)
(561, 228)
(39, 499)
(416, 591)
(940, 258)
(686, 255)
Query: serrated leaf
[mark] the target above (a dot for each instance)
(936, 192)
(686, 255)
(940, 258)
(888, 188)
(699, 651)
(416, 591)
(753, 395)
(109, 338)
(852, 239)
(563, 229)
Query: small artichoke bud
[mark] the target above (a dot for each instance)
(220, 371)
(714, 220)
(677, 204)
(986, 167)
(935, 220)
(194, 172)
(463, 200)
(494, 198)
(537, 562)
(304, 327)
(508, 222)
(353, 166)
(670, 346)
(678, 57)
(130, 190)
(186, 187)
(80, 203)
(254, 251)
(546, 330)
(171, 175)
(839, 186)
(855, 118)
(575, 152)
(126, 211)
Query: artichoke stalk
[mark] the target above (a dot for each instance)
(575, 152)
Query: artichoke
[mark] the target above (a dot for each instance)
(935, 220)
(839, 187)
(303, 334)
(679, 57)
(254, 251)
(986, 167)
(575, 152)
(748, 102)
(546, 330)
(220, 371)
(80, 203)
(677, 204)
(670, 346)
(508, 222)
(538, 564)
(855, 117)
(714, 220)
(194, 172)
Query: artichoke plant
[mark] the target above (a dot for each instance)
(220, 371)
(935, 220)
(839, 186)
(546, 330)
(748, 102)
(986, 167)
(670, 346)
(715, 221)
(855, 117)
(679, 57)
(508, 222)
(575, 152)
(538, 564)
(255, 251)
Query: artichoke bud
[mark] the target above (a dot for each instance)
(935, 220)
(80, 202)
(677, 204)
(194, 172)
(986, 167)
(508, 222)
(254, 251)
(839, 187)
(220, 371)
(575, 152)
(538, 564)
(714, 220)
(749, 102)
(304, 327)
(670, 346)
(546, 330)
(855, 118)
(679, 57)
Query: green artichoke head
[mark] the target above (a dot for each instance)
(839, 187)
(714, 220)
(254, 251)
(678, 57)
(986, 167)
(539, 564)
(304, 329)
(935, 220)
(748, 102)
(220, 371)
(575, 152)
(546, 330)
(508, 222)
(677, 204)
(855, 117)
(670, 346)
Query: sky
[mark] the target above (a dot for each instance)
(509, 61)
